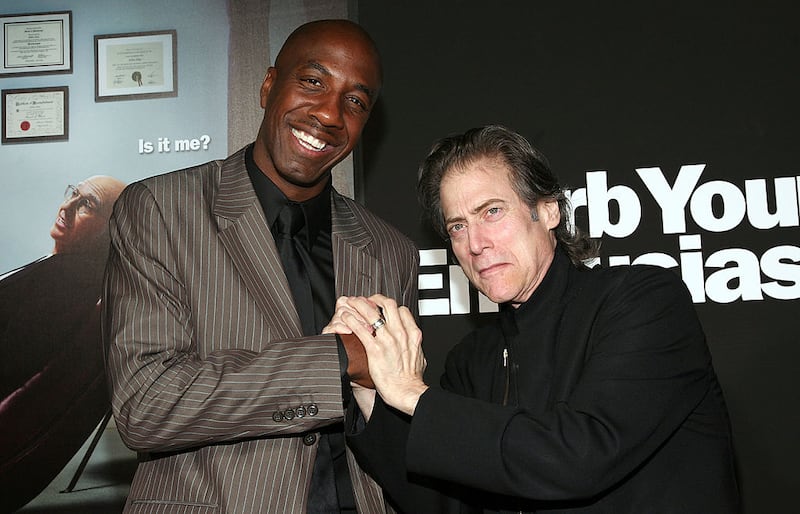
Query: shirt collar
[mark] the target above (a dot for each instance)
(317, 210)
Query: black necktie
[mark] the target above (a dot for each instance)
(291, 248)
(330, 481)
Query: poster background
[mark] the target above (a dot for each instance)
(104, 137)
(68, 392)
(599, 86)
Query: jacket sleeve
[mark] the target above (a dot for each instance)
(166, 393)
(380, 449)
(644, 369)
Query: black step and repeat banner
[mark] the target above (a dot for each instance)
(673, 125)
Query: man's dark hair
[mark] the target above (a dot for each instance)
(529, 173)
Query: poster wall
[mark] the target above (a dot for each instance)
(128, 133)
(673, 126)
(92, 101)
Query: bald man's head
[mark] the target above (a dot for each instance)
(82, 219)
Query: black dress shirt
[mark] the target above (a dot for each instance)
(331, 488)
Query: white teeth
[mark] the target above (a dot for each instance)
(309, 141)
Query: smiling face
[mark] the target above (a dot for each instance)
(502, 250)
(317, 99)
(82, 217)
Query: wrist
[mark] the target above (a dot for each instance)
(408, 403)
(357, 367)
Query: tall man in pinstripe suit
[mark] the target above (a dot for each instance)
(222, 380)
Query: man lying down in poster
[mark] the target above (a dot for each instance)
(52, 382)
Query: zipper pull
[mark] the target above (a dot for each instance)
(508, 376)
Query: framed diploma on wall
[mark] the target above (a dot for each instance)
(35, 115)
(34, 44)
(136, 65)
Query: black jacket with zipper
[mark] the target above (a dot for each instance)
(597, 395)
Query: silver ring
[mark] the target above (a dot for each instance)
(378, 323)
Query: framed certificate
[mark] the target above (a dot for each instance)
(35, 115)
(34, 44)
(136, 65)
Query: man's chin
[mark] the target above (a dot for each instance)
(496, 296)
(307, 180)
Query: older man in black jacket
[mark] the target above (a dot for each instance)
(593, 393)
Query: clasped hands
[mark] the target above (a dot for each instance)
(389, 358)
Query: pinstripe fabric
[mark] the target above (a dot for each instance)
(204, 342)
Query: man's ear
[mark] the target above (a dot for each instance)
(549, 213)
(266, 86)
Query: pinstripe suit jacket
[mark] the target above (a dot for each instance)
(204, 343)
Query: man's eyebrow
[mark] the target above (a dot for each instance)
(90, 195)
(319, 67)
(325, 71)
(367, 91)
(478, 208)
(485, 204)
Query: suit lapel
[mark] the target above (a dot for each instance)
(244, 234)
(357, 270)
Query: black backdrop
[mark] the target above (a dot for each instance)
(605, 88)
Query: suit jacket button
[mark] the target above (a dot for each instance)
(309, 439)
(300, 411)
(312, 409)
(277, 416)
(288, 414)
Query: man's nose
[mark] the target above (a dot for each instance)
(71, 204)
(478, 240)
(328, 110)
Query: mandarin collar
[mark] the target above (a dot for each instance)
(543, 302)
